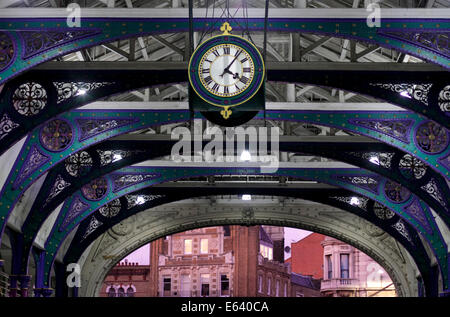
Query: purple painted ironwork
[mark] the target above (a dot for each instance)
(34, 160)
(111, 209)
(445, 161)
(133, 200)
(396, 192)
(6, 50)
(68, 90)
(382, 212)
(6, 126)
(121, 181)
(93, 225)
(411, 167)
(416, 91)
(401, 228)
(111, 156)
(91, 127)
(29, 99)
(437, 41)
(56, 135)
(78, 164)
(431, 138)
(398, 129)
(37, 42)
(57, 188)
(368, 183)
(76, 208)
(444, 100)
(433, 190)
(415, 210)
(96, 189)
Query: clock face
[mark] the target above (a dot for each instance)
(226, 70)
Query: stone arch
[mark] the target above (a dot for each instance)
(134, 232)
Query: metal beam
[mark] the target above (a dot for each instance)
(309, 13)
(288, 106)
(283, 138)
(398, 67)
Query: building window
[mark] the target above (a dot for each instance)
(285, 289)
(130, 292)
(226, 231)
(329, 267)
(204, 278)
(111, 292)
(224, 285)
(345, 265)
(185, 285)
(188, 246)
(260, 284)
(121, 292)
(266, 251)
(269, 285)
(167, 286)
(277, 288)
(204, 246)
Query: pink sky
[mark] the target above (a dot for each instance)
(142, 255)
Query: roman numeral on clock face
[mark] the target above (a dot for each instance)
(244, 80)
(205, 71)
(247, 70)
(244, 60)
(226, 50)
(216, 53)
(225, 90)
(215, 88)
(208, 80)
(238, 52)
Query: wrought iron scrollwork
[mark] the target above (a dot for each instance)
(96, 189)
(6, 126)
(78, 164)
(6, 50)
(411, 167)
(56, 135)
(431, 137)
(111, 209)
(29, 99)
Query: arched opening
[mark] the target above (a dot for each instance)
(279, 261)
(348, 228)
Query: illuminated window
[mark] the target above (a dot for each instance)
(204, 246)
(345, 265)
(266, 251)
(285, 289)
(269, 282)
(121, 292)
(329, 266)
(188, 246)
(270, 257)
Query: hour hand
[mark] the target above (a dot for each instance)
(226, 70)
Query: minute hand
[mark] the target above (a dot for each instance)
(228, 67)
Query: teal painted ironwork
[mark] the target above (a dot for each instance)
(17, 183)
(95, 31)
(82, 204)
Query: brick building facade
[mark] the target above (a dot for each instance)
(216, 261)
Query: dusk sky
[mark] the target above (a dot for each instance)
(142, 255)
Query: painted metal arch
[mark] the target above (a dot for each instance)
(78, 207)
(339, 198)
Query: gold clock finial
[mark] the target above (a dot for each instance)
(226, 112)
(226, 28)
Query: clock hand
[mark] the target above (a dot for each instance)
(226, 70)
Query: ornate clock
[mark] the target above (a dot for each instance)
(226, 71)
